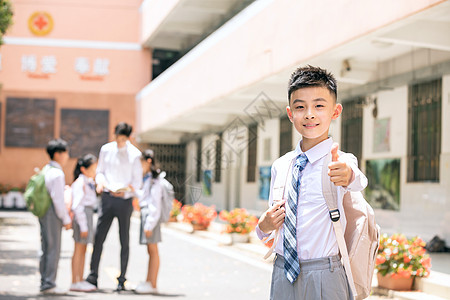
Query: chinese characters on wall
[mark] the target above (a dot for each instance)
(41, 67)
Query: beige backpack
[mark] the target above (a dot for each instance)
(359, 244)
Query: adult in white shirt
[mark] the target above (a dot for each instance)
(119, 174)
(55, 218)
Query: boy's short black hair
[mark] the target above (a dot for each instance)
(123, 129)
(56, 145)
(310, 76)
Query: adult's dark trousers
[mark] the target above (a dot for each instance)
(112, 207)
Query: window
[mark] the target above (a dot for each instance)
(171, 158)
(199, 161)
(251, 161)
(351, 128)
(424, 126)
(285, 136)
(218, 163)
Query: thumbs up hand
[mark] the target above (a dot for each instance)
(340, 173)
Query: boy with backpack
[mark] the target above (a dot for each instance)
(307, 263)
(55, 217)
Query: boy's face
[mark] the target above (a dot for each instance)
(61, 158)
(311, 110)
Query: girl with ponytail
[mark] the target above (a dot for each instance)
(84, 198)
(150, 202)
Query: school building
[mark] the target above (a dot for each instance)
(215, 109)
(68, 69)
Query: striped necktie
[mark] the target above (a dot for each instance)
(291, 259)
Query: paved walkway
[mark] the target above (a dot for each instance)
(19, 241)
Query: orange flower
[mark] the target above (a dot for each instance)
(380, 259)
(239, 220)
(402, 257)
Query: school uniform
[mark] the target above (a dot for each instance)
(84, 199)
(321, 271)
(150, 198)
(51, 224)
(119, 168)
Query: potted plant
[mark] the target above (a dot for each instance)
(400, 260)
(199, 215)
(240, 223)
(175, 211)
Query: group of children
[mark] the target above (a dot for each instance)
(80, 217)
(307, 263)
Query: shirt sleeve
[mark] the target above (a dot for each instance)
(100, 177)
(78, 193)
(57, 194)
(154, 207)
(261, 234)
(136, 177)
(359, 181)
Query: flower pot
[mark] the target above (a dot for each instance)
(199, 226)
(239, 237)
(395, 283)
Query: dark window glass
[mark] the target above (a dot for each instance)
(218, 162)
(251, 161)
(424, 131)
(199, 161)
(351, 140)
(285, 136)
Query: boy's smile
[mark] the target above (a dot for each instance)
(311, 110)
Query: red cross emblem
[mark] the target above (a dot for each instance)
(40, 23)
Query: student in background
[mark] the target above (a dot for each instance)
(84, 199)
(150, 198)
(55, 218)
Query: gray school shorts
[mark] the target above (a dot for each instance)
(322, 278)
(156, 236)
(89, 211)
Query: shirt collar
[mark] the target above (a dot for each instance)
(55, 164)
(316, 152)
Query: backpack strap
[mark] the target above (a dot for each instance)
(329, 191)
(276, 235)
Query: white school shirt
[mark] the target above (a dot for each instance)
(55, 182)
(119, 167)
(83, 195)
(315, 233)
(151, 198)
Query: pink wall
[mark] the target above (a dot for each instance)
(102, 20)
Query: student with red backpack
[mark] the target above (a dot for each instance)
(308, 263)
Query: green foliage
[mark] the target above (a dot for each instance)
(6, 14)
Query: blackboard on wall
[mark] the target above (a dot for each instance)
(85, 130)
(30, 122)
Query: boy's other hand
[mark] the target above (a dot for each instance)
(68, 226)
(83, 234)
(272, 218)
(340, 173)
